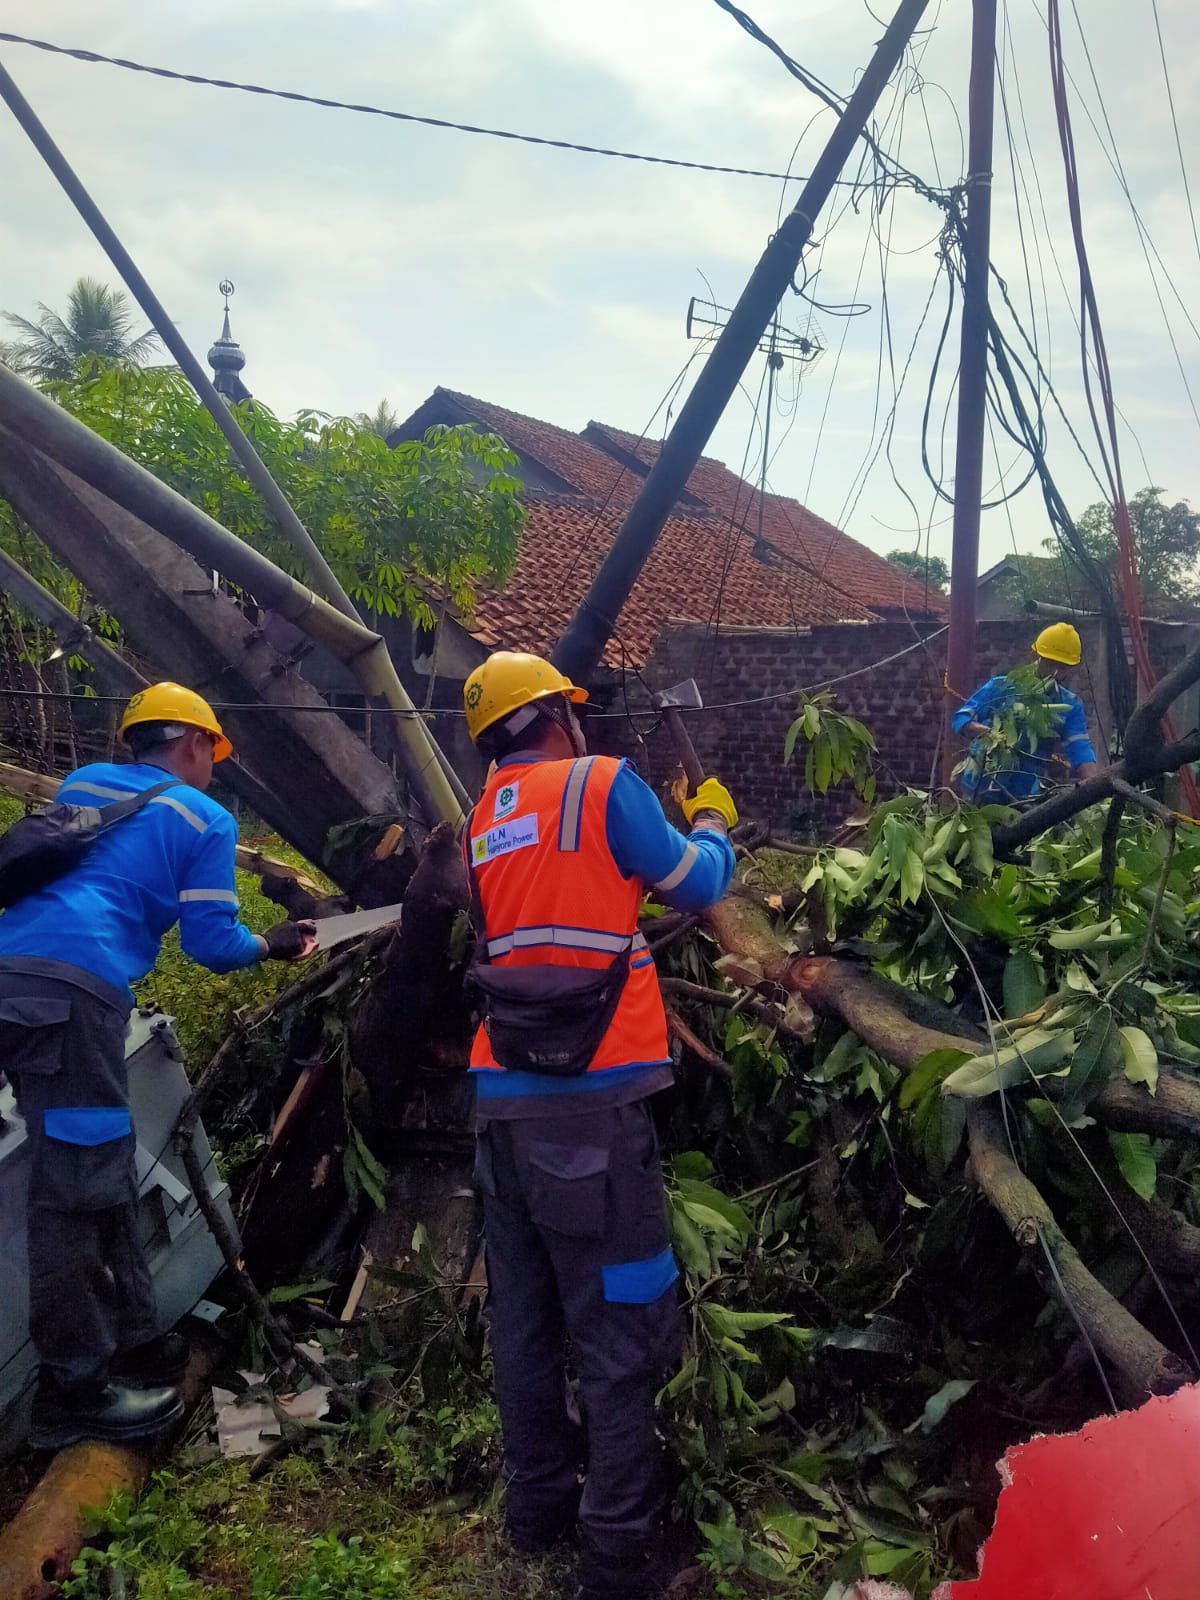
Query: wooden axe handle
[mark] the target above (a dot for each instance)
(684, 748)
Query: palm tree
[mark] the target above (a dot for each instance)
(99, 322)
(383, 420)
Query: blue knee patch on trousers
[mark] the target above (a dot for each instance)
(640, 1283)
(87, 1125)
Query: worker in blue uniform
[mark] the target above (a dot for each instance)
(68, 955)
(561, 849)
(1001, 769)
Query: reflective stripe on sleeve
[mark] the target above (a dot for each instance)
(97, 789)
(226, 897)
(177, 805)
(571, 816)
(564, 938)
(685, 864)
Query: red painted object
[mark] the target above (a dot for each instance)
(1109, 1513)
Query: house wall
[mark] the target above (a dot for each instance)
(901, 701)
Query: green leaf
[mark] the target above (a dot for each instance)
(287, 1292)
(985, 911)
(1036, 1051)
(938, 1404)
(1135, 1157)
(1024, 987)
(1096, 1058)
(928, 1073)
(1140, 1058)
(912, 877)
(735, 1323)
(704, 1196)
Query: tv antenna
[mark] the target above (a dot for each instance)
(780, 346)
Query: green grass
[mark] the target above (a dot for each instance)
(375, 1514)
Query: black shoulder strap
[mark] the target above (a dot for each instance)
(120, 809)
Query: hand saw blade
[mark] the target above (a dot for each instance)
(353, 924)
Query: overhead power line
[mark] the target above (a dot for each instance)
(94, 58)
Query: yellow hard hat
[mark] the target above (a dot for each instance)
(1059, 642)
(508, 680)
(171, 702)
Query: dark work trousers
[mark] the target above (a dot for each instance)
(89, 1286)
(577, 1246)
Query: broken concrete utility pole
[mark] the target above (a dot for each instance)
(579, 650)
(438, 789)
(972, 375)
(27, 416)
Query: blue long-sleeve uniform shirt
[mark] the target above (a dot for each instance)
(688, 873)
(1022, 782)
(172, 861)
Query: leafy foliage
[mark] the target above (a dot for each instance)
(1166, 541)
(839, 748)
(927, 570)
(97, 328)
(433, 515)
(1028, 717)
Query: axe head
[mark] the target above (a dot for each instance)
(684, 696)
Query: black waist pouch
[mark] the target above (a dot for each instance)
(547, 1019)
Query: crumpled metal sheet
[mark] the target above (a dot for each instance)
(1109, 1513)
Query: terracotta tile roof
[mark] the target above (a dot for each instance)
(794, 530)
(707, 566)
(564, 542)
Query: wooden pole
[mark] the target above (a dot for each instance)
(972, 374)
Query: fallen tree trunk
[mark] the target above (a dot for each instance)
(876, 1010)
(39, 1545)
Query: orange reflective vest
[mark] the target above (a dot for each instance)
(553, 895)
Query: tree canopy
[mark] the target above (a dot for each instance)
(98, 325)
(1166, 549)
(931, 570)
(401, 527)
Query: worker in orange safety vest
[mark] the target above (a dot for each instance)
(561, 848)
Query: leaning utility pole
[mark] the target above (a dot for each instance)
(972, 374)
(578, 651)
(435, 785)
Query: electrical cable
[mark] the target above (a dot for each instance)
(1187, 188)
(93, 57)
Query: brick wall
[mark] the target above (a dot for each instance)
(901, 701)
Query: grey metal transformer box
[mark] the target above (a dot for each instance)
(183, 1255)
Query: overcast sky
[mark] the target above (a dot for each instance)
(374, 258)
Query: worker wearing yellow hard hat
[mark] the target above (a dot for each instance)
(1028, 728)
(561, 849)
(169, 705)
(70, 950)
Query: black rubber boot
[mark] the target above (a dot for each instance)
(154, 1364)
(107, 1412)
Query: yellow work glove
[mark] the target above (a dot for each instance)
(712, 796)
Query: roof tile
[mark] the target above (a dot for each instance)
(707, 566)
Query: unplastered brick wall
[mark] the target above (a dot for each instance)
(900, 697)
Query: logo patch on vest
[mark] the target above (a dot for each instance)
(504, 839)
(506, 801)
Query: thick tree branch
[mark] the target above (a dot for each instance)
(1143, 735)
(1149, 1365)
(1068, 802)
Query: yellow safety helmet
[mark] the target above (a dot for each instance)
(1059, 642)
(508, 680)
(171, 702)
